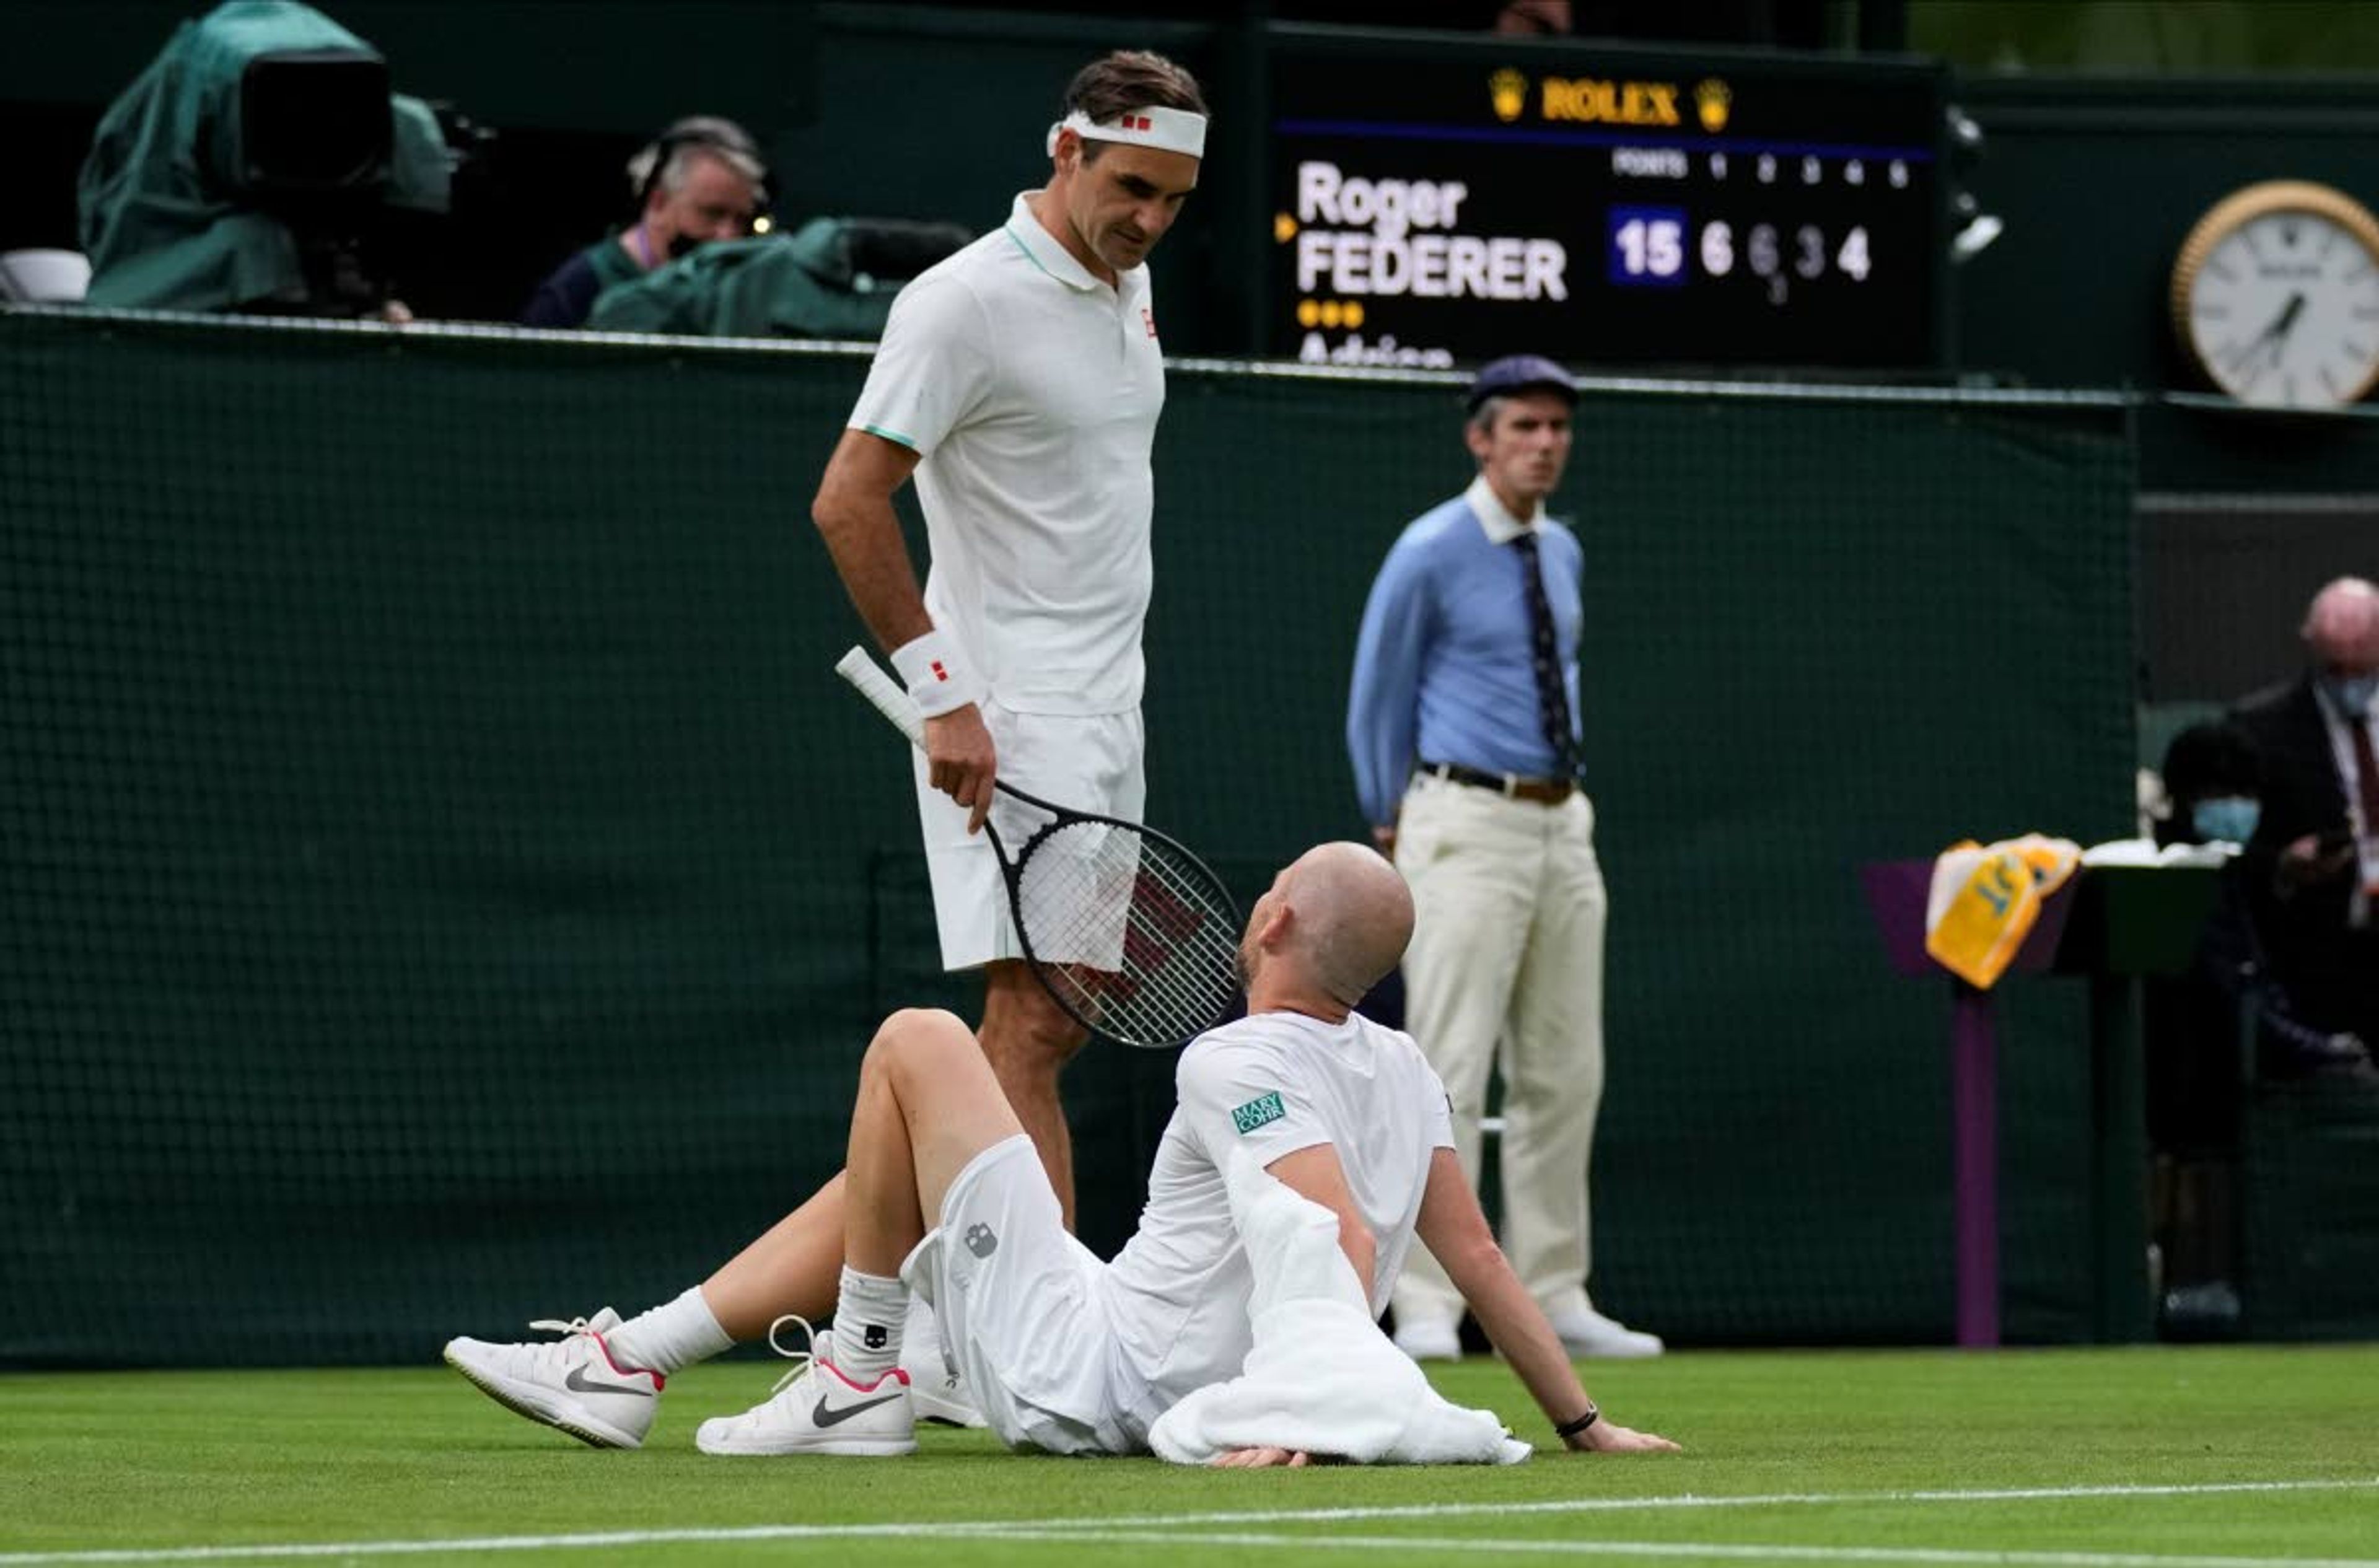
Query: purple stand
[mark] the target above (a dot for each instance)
(1974, 1161)
(1896, 892)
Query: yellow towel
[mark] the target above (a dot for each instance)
(1984, 900)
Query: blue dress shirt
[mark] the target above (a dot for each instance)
(1444, 665)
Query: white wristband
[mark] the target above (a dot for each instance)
(938, 680)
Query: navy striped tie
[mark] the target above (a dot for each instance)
(1552, 694)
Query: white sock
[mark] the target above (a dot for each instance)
(869, 1313)
(677, 1333)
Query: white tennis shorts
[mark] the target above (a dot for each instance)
(1090, 762)
(1022, 1307)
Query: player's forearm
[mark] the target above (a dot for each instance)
(863, 536)
(1518, 1327)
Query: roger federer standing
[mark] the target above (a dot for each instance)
(1463, 726)
(1020, 382)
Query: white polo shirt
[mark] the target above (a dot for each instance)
(1177, 1293)
(1032, 390)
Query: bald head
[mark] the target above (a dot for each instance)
(2341, 629)
(1338, 918)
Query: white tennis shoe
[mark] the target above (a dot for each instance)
(1591, 1333)
(1429, 1340)
(571, 1384)
(939, 1393)
(816, 1409)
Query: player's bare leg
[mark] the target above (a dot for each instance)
(1028, 1040)
(790, 1267)
(601, 1382)
(795, 1267)
(927, 1105)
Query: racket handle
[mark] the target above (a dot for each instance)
(894, 704)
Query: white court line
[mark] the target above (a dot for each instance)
(1699, 1500)
(1450, 1545)
(1162, 1527)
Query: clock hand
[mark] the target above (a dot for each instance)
(2281, 327)
(2268, 343)
(2248, 353)
(2283, 322)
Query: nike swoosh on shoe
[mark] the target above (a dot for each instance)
(827, 1416)
(579, 1382)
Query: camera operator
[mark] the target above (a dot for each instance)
(700, 180)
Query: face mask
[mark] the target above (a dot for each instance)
(2231, 819)
(2353, 693)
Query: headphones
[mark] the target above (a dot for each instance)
(709, 133)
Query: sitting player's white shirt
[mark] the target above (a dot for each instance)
(1178, 1294)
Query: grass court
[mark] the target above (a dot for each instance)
(2156, 1456)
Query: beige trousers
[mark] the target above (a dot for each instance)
(1505, 971)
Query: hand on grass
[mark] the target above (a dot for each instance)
(1610, 1437)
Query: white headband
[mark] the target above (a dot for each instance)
(1173, 130)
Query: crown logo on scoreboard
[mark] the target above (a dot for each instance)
(1713, 99)
(1508, 91)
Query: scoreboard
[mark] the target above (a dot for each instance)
(1450, 203)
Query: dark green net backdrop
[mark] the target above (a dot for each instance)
(444, 884)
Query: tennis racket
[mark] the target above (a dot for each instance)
(1129, 931)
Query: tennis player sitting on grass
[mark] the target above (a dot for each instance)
(1305, 1113)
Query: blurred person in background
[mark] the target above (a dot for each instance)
(2209, 1029)
(700, 180)
(2312, 864)
(2214, 787)
(1462, 725)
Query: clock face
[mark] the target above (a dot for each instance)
(2284, 310)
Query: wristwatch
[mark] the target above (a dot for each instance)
(1568, 1429)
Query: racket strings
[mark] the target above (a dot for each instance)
(1140, 940)
(1163, 971)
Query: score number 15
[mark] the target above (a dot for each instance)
(1647, 248)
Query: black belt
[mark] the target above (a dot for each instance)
(1542, 792)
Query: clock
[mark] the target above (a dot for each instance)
(2276, 295)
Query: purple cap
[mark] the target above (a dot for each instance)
(1521, 372)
